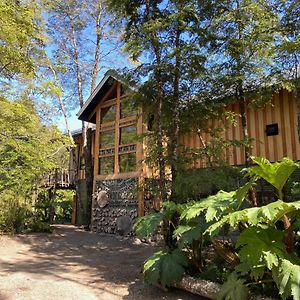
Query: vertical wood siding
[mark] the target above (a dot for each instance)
(281, 110)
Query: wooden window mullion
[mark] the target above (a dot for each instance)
(97, 142)
(117, 129)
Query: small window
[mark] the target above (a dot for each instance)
(127, 162)
(82, 163)
(272, 129)
(128, 109)
(108, 114)
(107, 139)
(106, 165)
(127, 135)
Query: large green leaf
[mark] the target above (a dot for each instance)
(214, 206)
(147, 225)
(233, 289)
(170, 207)
(242, 192)
(257, 216)
(276, 173)
(287, 278)
(260, 249)
(165, 267)
(190, 232)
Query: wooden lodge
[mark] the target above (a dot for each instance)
(118, 157)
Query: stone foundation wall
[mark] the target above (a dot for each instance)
(115, 206)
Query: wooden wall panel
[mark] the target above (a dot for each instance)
(281, 110)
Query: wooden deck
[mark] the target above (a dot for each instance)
(60, 179)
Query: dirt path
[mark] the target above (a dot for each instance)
(73, 264)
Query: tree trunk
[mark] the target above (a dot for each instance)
(297, 96)
(98, 30)
(159, 101)
(89, 174)
(199, 287)
(62, 108)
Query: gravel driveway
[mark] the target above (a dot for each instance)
(74, 264)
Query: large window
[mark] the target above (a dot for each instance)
(108, 114)
(117, 140)
(127, 135)
(128, 109)
(127, 162)
(107, 139)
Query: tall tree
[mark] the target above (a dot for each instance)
(167, 37)
(242, 53)
(28, 148)
(79, 32)
(288, 49)
(21, 37)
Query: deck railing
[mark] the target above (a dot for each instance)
(60, 179)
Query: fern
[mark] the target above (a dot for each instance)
(165, 267)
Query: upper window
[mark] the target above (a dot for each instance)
(108, 114)
(123, 149)
(127, 135)
(128, 109)
(107, 139)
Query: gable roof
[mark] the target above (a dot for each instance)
(107, 81)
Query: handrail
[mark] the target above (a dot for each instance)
(60, 178)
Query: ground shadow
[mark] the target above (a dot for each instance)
(105, 263)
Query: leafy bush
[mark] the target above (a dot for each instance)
(17, 215)
(14, 213)
(264, 251)
(206, 181)
(63, 206)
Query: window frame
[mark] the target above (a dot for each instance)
(116, 125)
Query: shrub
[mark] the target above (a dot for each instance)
(14, 213)
(263, 253)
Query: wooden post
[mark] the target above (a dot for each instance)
(74, 212)
(140, 164)
(117, 129)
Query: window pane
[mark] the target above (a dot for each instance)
(82, 163)
(108, 114)
(106, 165)
(128, 109)
(107, 139)
(127, 135)
(127, 162)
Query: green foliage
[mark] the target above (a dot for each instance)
(17, 214)
(268, 249)
(233, 289)
(147, 225)
(189, 233)
(14, 213)
(276, 173)
(21, 37)
(287, 278)
(214, 206)
(63, 206)
(28, 148)
(257, 216)
(165, 267)
(191, 183)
